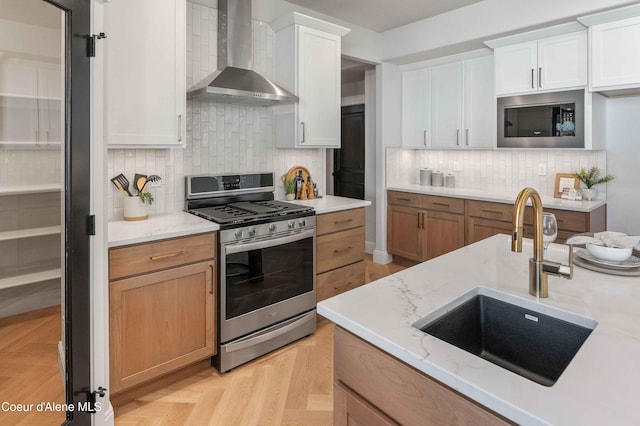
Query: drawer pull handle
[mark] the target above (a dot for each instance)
(419, 216)
(492, 211)
(165, 256)
(442, 204)
(404, 199)
(213, 277)
(336, 222)
(338, 251)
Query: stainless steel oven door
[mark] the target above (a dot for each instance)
(265, 282)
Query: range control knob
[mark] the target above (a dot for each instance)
(252, 231)
(238, 234)
(291, 224)
(273, 227)
(302, 222)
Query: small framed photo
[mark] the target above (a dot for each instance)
(565, 182)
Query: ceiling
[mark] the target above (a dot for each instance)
(382, 15)
(33, 12)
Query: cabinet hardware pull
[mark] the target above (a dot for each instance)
(466, 137)
(302, 131)
(180, 128)
(424, 216)
(492, 211)
(458, 137)
(540, 77)
(419, 216)
(213, 277)
(532, 76)
(424, 138)
(442, 204)
(164, 256)
(404, 199)
(338, 251)
(336, 222)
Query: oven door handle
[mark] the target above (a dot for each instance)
(238, 248)
(269, 334)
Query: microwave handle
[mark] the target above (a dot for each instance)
(238, 248)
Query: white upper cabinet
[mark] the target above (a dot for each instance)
(308, 65)
(615, 54)
(552, 63)
(446, 105)
(416, 108)
(449, 106)
(479, 103)
(145, 73)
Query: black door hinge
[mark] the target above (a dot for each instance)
(91, 399)
(91, 225)
(91, 43)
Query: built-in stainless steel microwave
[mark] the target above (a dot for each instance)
(543, 120)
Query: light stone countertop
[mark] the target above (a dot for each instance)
(157, 227)
(600, 386)
(331, 203)
(548, 201)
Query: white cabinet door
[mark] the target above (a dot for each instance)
(145, 73)
(446, 105)
(318, 88)
(416, 108)
(615, 53)
(516, 68)
(562, 61)
(479, 103)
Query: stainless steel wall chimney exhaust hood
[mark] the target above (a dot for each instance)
(234, 81)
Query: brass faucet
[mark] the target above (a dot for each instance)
(538, 267)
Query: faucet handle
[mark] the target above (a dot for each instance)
(558, 269)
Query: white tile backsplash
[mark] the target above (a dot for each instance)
(221, 138)
(494, 171)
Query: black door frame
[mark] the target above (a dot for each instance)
(77, 209)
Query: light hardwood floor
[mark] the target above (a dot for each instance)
(290, 386)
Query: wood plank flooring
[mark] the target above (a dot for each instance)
(290, 386)
(29, 371)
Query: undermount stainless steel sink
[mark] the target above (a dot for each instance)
(530, 339)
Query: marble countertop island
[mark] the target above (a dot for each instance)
(600, 386)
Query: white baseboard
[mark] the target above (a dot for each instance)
(382, 257)
(369, 247)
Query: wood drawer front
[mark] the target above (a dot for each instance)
(339, 221)
(443, 204)
(349, 409)
(567, 220)
(339, 249)
(339, 280)
(155, 256)
(488, 210)
(407, 199)
(410, 397)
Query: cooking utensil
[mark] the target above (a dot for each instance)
(139, 181)
(152, 179)
(117, 181)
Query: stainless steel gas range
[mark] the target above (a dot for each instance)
(266, 280)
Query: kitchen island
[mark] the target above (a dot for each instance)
(601, 385)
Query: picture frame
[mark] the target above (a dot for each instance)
(564, 183)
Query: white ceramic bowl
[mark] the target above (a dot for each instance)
(610, 254)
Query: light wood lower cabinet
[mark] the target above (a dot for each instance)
(421, 227)
(163, 320)
(485, 219)
(340, 244)
(373, 388)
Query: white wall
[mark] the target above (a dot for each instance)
(466, 28)
(370, 155)
(623, 159)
